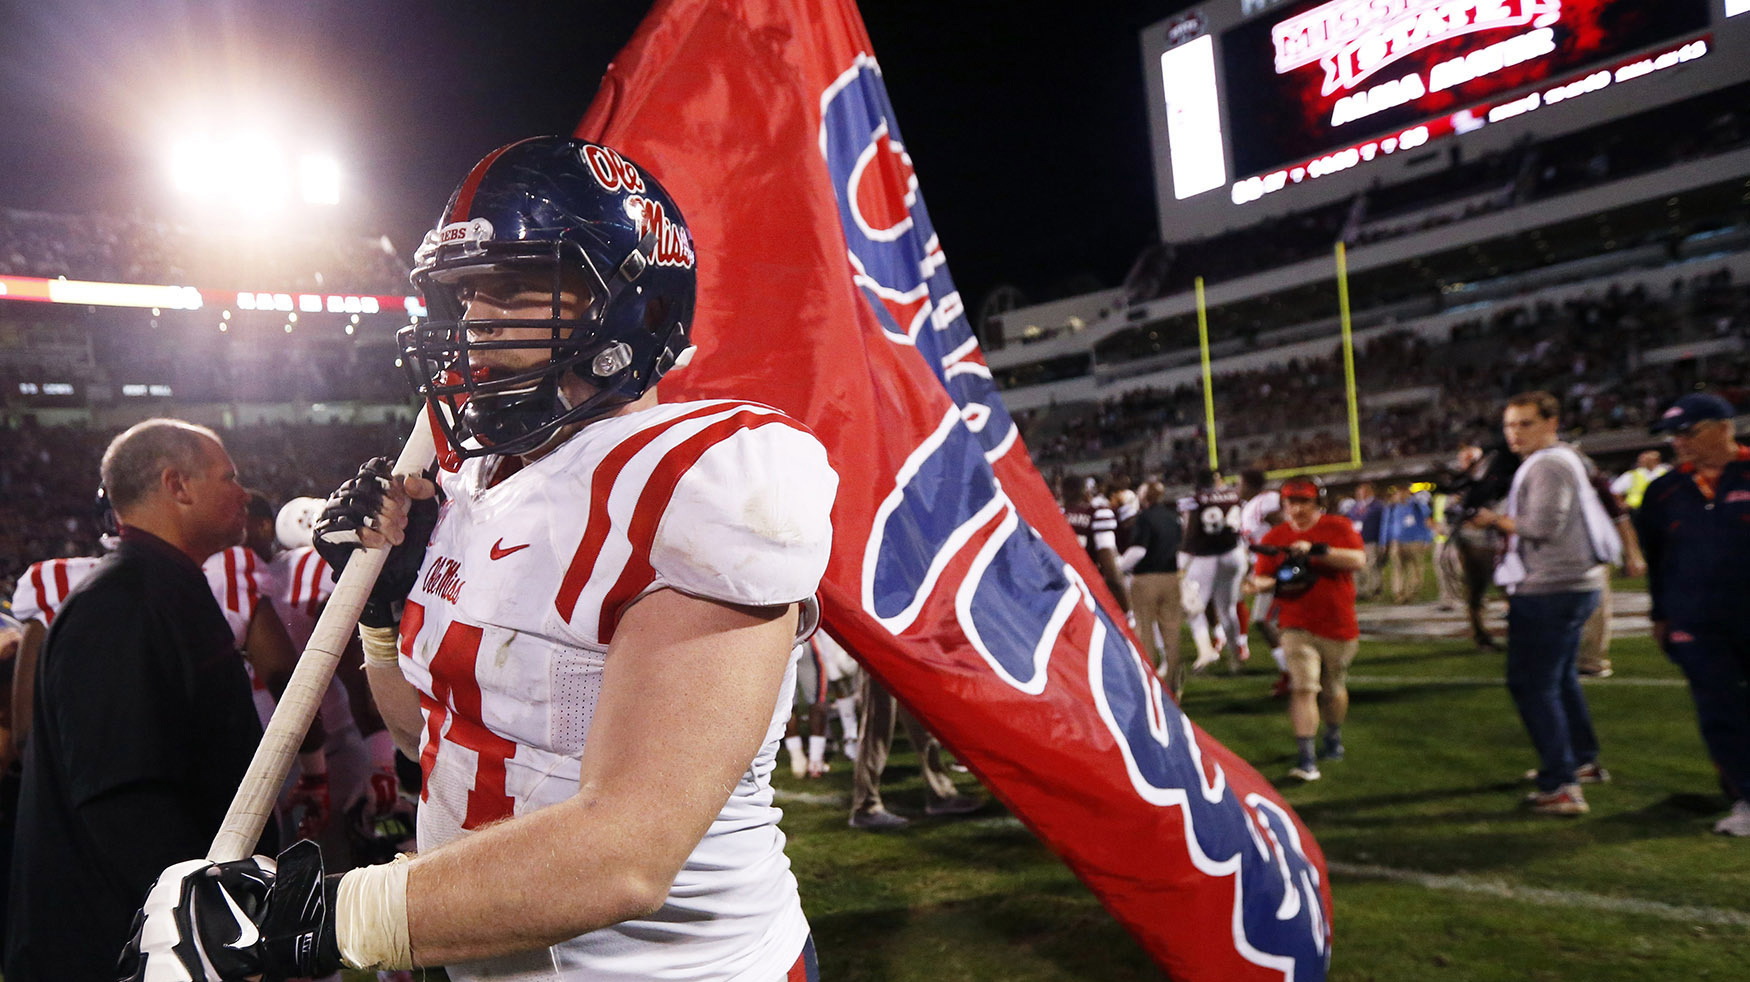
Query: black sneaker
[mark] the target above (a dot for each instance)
(960, 804)
(879, 820)
(1332, 750)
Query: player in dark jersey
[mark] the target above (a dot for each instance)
(1216, 568)
(1096, 529)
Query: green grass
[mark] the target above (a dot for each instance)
(1430, 786)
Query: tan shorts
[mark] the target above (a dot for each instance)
(1315, 662)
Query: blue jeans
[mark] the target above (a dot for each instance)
(1715, 662)
(1543, 641)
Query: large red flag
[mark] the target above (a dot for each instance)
(823, 291)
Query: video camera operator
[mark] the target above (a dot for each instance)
(1310, 561)
(1481, 479)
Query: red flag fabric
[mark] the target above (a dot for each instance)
(823, 291)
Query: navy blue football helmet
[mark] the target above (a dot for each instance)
(582, 218)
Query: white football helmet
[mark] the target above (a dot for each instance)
(295, 520)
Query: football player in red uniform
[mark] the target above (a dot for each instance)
(593, 650)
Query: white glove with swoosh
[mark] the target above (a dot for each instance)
(220, 922)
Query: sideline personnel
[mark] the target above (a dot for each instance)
(1153, 561)
(143, 722)
(1319, 630)
(1559, 540)
(1694, 525)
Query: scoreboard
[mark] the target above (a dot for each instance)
(1298, 102)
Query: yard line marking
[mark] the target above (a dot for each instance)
(1612, 682)
(811, 798)
(1536, 895)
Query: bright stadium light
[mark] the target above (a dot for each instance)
(252, 171)
(191, 166)
(319, 179)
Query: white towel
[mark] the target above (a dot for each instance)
(1606, 542)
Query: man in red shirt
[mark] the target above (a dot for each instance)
(1311, 568)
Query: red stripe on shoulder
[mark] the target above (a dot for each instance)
(296, 597)
(231, 600)
(42, 594)
(638, 574)
(596, 532)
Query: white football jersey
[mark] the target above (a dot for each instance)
(298, 581)
(45, 585)
(231, 575)
(507, 631)
(1252, 524)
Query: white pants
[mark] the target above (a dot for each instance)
(1215, 580)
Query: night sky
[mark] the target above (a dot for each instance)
(1025, 120)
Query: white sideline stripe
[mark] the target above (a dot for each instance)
(1611, 682)
(1482, 886)
(781, 796)
(1536, 895)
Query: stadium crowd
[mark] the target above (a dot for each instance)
(115, 249)
(48, 479)
(1588, 350)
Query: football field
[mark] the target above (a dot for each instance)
(1436, 874)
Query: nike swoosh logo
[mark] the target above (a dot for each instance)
(247, 936)
(499, 551)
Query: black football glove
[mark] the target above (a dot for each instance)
(357, 504)
(222, 922)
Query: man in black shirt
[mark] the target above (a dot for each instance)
(143, 722)
(1153, 562)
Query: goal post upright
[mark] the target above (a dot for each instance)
(1208, 392)
(1349, 387)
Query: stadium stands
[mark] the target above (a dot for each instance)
(133, 250)
(1606, 265)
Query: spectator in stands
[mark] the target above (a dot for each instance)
(144, 722)
(1695, 527)
(1310, 565)
(1559, 540)
(1407, 537)
(1631, 485)
(1153, 562)
(1366, 513)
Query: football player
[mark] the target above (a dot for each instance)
(594, 640)
(1216, 565)
(235, 576)
(1096, 529)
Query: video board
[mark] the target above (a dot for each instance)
(1259, 95)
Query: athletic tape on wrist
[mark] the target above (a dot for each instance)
(370, 917)
(380, 646)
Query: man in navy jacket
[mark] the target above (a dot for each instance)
(1694, 525)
